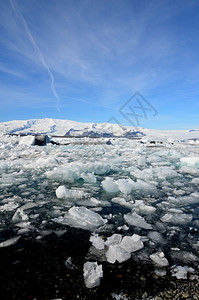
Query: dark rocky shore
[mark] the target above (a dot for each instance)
(35, 269)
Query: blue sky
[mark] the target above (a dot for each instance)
(82, 60)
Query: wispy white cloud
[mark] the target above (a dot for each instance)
(12, 72)
(38, 51)
(102, 51)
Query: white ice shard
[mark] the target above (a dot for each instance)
(10, 206)
(114, 239)
(19, 216)
(109, 185)
(156, 237)
(97, 241)
(125, 185)
(28, 205)
(181, 272)
(134, 219)
(9, 242)
(155, 173)
(159, 259)
(63, 193)
(177, 218)
(3, 166)
(81, 217)
(116, 253)
(192, 161)
(120, 249)
(121, 296)
(46, 162)
(122, 202)
(140, 206)
(92, 274)
(28, 140)
(132, 243)
(73, 171)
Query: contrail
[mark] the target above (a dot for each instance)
(38, 51)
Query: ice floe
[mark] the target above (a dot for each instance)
(63, 193)
(81, 217)
(134, 219)
(192, 161)
(9, 242)
(181, 272)
(92, 274)
(97, 241)
(177, 218)
(116, 247)
(160, 259)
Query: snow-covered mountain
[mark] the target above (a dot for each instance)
(68, 128)
(72, 128)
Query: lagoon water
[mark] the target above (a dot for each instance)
(55, 198)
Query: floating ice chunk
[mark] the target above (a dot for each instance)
(3, 166)
(10, 206)
(160, 272)
(44, 162)
(190, 161)
(81, 217)
(100, 169)
(122, 202)
(181, 272)
(74, 171)
(141, 161)
(9, 242)
(92, 274)
(115, 252)
(152, 173)
(62, 175)
(26, 225)
(93, 202)
(123, 227)
(177, 218)
(195, 181)
(188, 170)
(69, 264)
(184, 200)
(63, 193)
(119, 297)
(184, 256)
(27, 140)
(125, 185)
(139, 206)
(144, 187)
(134, 219)
(28, 205)
(159, 259)
(120, 249)
(97, 241)
(109, 185)
(156, 237)
(19, 216)
(132, 243)
(114, 239)
(178, 192)
(88, 177)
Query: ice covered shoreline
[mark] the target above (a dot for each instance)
(146, 194)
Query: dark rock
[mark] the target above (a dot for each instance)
(42, 140)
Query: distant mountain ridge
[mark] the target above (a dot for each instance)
(69, 128)
(58, 127)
